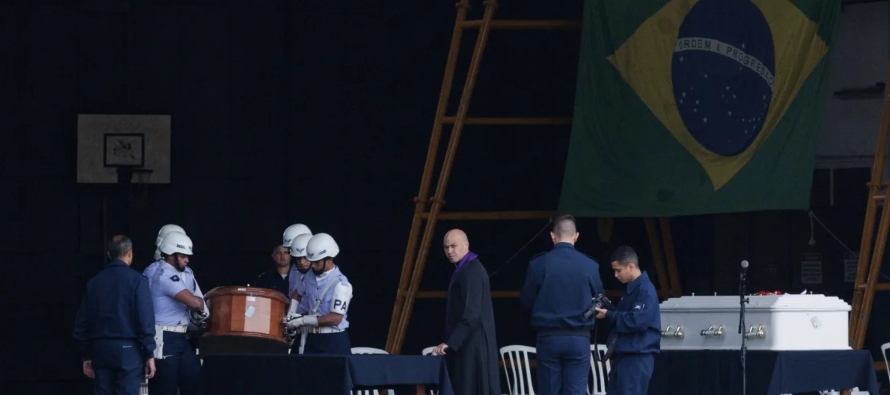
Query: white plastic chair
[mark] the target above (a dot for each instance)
(515, 359)
(599, 370)
(854, 391)
(884, 348)
(369, 350)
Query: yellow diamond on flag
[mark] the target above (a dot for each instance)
(691, 46)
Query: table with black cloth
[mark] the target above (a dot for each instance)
(768, 372)
(323, 374)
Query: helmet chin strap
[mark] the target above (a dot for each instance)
(324, 268)
(175, 263)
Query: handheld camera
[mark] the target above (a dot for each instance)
(599, 302)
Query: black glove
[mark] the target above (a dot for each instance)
(198, 318)
(290, 334)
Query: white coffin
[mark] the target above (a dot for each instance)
(774, 322)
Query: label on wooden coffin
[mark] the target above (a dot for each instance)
(774, 322)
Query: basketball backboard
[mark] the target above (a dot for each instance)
(107, 143)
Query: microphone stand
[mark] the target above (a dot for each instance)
(742, 302)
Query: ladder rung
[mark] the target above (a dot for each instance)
(566, 24)
(510, 121)
(878, 287)
(879, 197)
(489, 215)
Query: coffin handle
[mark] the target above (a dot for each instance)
(711, 331)
(667, 332)
(758, 331)
(705, 332)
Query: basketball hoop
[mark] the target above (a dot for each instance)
(142, 176)
(135, 179)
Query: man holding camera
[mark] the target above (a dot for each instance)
(559, 287)
(636, 327)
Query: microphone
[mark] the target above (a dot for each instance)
(742, 301)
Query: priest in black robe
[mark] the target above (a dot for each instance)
(470, 346)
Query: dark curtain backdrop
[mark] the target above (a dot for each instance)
(313, 112)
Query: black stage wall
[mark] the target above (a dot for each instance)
(314, 112)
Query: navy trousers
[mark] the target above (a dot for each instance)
(327, 343)
(563, 364)
(118, 366)
(630, 374)
(180, 369)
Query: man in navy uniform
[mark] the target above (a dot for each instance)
(636, 322)
(277, 278)
(325, 305)
(115, 325)
(177, 303)
(559, 286)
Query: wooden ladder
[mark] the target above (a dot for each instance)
(869, 268)
(428, 210)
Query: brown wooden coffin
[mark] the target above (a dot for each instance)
(244, 320)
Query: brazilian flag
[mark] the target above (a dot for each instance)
(690, 107)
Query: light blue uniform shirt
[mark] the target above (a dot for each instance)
(166, 282)
(336, 298)
(294, 277)
(299, 282)
(149, 272)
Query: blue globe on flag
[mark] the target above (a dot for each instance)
(723, 70)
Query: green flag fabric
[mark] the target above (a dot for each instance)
(688, 107)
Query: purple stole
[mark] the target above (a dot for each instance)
(467, 258)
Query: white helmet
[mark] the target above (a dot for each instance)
(294, 231)
(321, 246)
(163, 232)
(176, 242)
(167, 229)
(298, 246)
